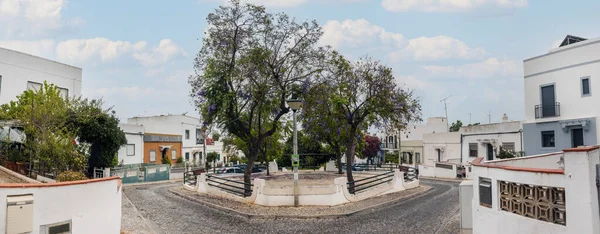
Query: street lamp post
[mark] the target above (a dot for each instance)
(203, 161)
(295, 105)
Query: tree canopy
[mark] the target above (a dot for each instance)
(372, 148)
(248, 65)
(455, 127)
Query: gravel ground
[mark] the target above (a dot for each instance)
(432, 212)
(6, 178)
(305, 211)
(131, 220)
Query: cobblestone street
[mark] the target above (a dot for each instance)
(433, 212)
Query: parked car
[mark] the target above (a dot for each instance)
(227, 170)
(358, 167)
(255, 169)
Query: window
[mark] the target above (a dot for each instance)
(218, 157)
(33, 86)
(418, 157)
(187, 156)
(199, 138)
(548, 139)
(152, 155)
(57, 228)
(174, 154)
(130, 149)
(485, 192)
(585, 86)
(509, 146)
(64, 92)
(472, 149)
(187, 134)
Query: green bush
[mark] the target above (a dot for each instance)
(166, 160)
(180, 160)
(503, 154)
(391, 158)
(70, 176)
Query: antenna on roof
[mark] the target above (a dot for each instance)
(446, 110)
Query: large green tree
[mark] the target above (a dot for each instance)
(249, 62)
(312, 152)
(364, 93)
(42, 114)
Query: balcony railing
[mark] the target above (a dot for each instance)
(544, 111)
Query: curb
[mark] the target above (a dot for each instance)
(331, 216)
(152, 183)
(440, 179)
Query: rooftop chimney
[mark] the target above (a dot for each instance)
(504, 118)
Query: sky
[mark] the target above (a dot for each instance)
(137, 55)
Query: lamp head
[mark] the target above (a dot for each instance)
(295, 104)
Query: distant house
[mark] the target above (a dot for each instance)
(408, 143)
(133, 151)
(158, 146)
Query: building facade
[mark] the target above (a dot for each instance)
(189, 128)
(20, 72)
(408, 143)
(560, 98)
(133, 151)
(157, 146)
(486, 140)
(441, 147)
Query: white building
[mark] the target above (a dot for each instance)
(560, 99)
(485, 140)
(20, 72)
(550, 193)
(441, 147)
(186, 126)
(133, 151)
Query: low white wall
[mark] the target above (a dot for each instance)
(446, 173)
(496, 221)
(324, 195)
(427, 171)
(465, 193)
(552, 161)
(178, 175)
(93, 206)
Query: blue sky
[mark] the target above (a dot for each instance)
(137, 55)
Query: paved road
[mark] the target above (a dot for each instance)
(431, 213)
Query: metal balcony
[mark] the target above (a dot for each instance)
(545, 111)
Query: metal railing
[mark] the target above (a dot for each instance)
(543, 111)
(189, 178)
(372, 181)
(372, 167)
(231, 186)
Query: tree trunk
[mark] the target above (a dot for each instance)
(349, 161)
(253, 153)
(338, 158)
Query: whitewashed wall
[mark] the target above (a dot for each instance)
(449, 142)
(18, 68)
(135, 136)
(581, 197)
(93, 206)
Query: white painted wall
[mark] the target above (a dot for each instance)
(415, 132)
(93, 207)
(581, 197)
(550, 161)
(567, 81)
(449, 143)
(499, 133)
(135, 136)
(175, 125)
(17, 68)
(445, 173)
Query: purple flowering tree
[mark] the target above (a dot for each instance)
(355, 96)
(248, 66)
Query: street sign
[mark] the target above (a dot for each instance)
(295, 160)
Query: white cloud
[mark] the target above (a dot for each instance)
(412, 82)
(491, 67)
(23, 18)
(358, 33)
(160, 55)
(81, 50)
(440, 47)
(41, 48)
(448, 5)
(129, 92)
(283, 3)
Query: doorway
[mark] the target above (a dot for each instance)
(490, 152)
(439, 153)
(576, 137)
(548, 101)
